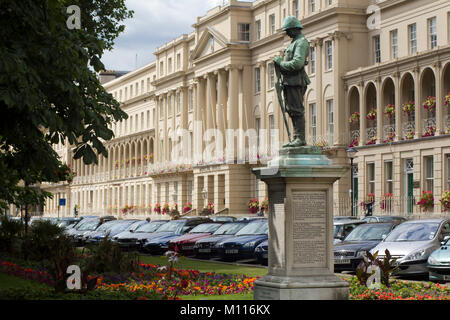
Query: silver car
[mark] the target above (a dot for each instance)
(412, 242)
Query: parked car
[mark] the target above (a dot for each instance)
(185, 244)
(129, 240)
(344, 218)
(110, 229)
(222, 218)
(412, 242)
(349, 253)
(439, 263)
(243, 244)
(206, 247)
(158, 243)
(262, 252)
(88, 225)
(67, 223)
(343, 227)
(384, 219)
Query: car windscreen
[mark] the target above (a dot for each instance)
(254, 228)
(368, 232)
(136, 225)
(89, 225)
(413, 232)
(172, 226)
(206, 228)
(229, 228)
(107, 226)
(120, 226)
(150, 227)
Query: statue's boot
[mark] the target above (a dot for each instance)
(297, 142)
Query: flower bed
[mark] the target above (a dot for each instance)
(150, 282)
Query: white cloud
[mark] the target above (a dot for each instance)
(155, 22)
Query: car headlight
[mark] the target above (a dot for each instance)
(361, 254)
(249, 244)
(432, 260)
(416, 255)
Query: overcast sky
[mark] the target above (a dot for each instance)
(155, 22)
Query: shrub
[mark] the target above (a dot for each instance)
(10, 233)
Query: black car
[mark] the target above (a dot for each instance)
(129, 240)
(158, 242)
(86, 226)
(205, 248)
(349, 253)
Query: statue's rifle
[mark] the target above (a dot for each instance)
(279, 88)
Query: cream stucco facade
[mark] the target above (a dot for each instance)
(220, 77)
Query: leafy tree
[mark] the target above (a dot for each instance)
(49, 89)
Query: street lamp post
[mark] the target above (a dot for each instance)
(351, 154)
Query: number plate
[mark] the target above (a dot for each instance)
(342, 261)
(204, 250)
(231, 251)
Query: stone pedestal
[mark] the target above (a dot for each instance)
(300, 188)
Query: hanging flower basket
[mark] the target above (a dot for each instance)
(187, 207)
(430, 104)
(157, 208)
(409, 108)
(210, 207)
(165, 209)
(390, 138)
(445, 201)
(386, 202)
(354, 143)
(429, 132)
(447, 100)
(389, 111)
(372, 115)
(373, 140)
(264, 205)
(410, 135)
(253, 205)
(426, 201)
(354, 118)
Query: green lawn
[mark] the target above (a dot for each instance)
(207, 266)
(7, 281)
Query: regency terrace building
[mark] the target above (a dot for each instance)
(372, 64)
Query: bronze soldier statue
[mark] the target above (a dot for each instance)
(295, 80)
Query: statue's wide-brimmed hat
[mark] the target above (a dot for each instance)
(291, 22)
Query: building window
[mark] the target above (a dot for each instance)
(244, 32)
(257, 80)
(271, 76)
(178, 102)
(161, 68)
(388, 174)
(313, 121)
(429, 174)
(312, 58)
(169, 106)
(178, 61)
(330, 109)
(313, 5)
(432, 33)
(329, 2)
(211, 43)
(329, 54)
(377, 49)
(258, 29)
(371, 178)
(272, 23)
(412, 36)
(169, 65)
(191, 100)
(394, 44)
(296, 8)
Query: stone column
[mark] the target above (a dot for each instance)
(233, 108)
(301, 264)
(221, 111)
(363, 113)
(380, 111)
(418, 107)
(440, 129)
